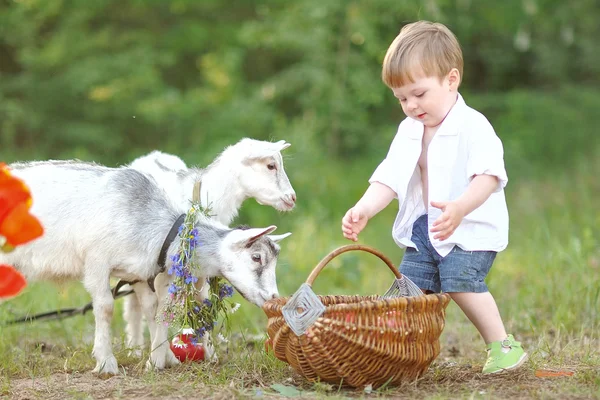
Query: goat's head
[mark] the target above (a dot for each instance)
(248, 258)
(262, 175)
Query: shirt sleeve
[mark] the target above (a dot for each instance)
(387, 172)
(486, 154)
(384, 175)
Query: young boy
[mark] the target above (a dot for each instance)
(445, 166)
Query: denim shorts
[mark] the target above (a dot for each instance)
(459, 271)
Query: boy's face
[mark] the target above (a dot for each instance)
(428, 99)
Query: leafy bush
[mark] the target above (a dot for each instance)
(112, 80)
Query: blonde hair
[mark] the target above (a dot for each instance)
(423, 46)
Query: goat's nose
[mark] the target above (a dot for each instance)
(293, 197)
(274, 295)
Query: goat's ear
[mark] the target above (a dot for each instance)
(262, 150)
(249, 236)
(259, 152)
(282, 145)
(277, 238)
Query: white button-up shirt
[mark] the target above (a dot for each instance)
(465, 145)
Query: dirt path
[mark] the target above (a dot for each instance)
(443, 382)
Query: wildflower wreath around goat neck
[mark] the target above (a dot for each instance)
(184, 310)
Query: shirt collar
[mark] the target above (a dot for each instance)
(449, 126)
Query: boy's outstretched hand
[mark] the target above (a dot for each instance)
(353, 223)
(446, 224)
(453, 212)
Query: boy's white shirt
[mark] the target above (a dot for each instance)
(465, 145)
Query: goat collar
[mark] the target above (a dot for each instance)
(168, 240)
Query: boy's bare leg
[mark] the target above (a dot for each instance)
(482, 311)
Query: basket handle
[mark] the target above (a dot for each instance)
(313, 275)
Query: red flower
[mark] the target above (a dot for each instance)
(11, 281)
(17, 225)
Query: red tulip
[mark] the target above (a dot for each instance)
(11, 281)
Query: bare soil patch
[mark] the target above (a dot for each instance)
(441, 381)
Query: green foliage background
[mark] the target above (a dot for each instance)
(109, 80)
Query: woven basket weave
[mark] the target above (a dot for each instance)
(361, 340)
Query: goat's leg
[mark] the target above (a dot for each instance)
(134, 326)
(98, 285)
(161, 355)
(209, 349)
(207, 344)
(146, 302)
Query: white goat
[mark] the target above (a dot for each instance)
(249, 168)
(111, 222)
(163, 168)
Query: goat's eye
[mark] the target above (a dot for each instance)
(271, 166)
(256, 257)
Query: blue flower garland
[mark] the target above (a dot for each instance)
(183, 310)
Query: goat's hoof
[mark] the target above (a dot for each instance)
(109, 366)
(210, 355)
(154, 366)
(213, 360)
(159, 363)
(171, 359)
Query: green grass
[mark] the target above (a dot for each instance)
(547, 285)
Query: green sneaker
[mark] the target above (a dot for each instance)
(499, 361)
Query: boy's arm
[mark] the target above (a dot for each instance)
(453, 212)
(375, 199)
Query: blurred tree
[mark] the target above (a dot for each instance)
(109, 80)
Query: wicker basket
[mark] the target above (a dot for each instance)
(361, 340)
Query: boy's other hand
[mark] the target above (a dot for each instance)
(353, 223)
(446, 224)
